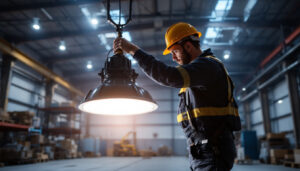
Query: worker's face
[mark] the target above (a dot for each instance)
(179, 55)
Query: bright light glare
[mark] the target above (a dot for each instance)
(224, 5)
(94, 21)
(36, 26)
(244, 89)
(62, 47)
(279, 101)
(89, 66)
(212, 32)
(110, 35)
(118, 106)
(226, 56)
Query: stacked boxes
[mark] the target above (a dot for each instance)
(68, 149)
(23, 117)
(274, 147)
(297, 155)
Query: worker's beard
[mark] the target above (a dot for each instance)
(186, 57)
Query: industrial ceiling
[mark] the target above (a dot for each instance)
(245, 30)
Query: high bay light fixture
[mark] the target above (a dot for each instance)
(118, 94)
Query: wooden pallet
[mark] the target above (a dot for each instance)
(291, 164)
(246, 161)
(6, 120)
(42, 158)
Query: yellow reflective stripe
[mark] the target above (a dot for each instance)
(186, 78)
(182, 90)
(185, 75)
(230, 98)
(210, 111)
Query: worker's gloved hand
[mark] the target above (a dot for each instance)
(125, 46)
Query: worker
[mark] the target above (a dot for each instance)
(207, 110)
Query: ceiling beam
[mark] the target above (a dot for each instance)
(202, 23)
(102, 53)
(235, 68)
(41, 4)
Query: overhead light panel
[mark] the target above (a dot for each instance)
(226, 54)
(110, 35)
(94, 21)
(248, 9)
(212, 32)
(62, 46)
(223, 5)
(89, 65)
(36, 24)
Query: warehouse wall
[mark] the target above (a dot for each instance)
(268, 96)
(256, 116)
(280, 110)
(24, 93)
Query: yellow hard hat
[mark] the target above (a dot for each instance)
(178, 31)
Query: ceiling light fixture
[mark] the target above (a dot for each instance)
(89, 65)
(119, 94)
(244, 89)
(94, 21)
(36, 24)
(226, 54)
(62, 46)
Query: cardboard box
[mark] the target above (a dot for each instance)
(110, 152)
(297, 155)
(289, 157)
(278, 153)
(37, 139)
(275, 136)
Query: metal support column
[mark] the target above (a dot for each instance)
(291, 78)
(247, 115)
(6, 72)
(49, 92)
(88, 125)
(172, 120)
(265, 110)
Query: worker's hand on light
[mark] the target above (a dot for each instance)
(125, 46)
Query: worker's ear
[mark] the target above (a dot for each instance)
(188, 46)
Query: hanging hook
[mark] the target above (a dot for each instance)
(119, 26)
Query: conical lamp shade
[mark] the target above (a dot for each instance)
(118, 94)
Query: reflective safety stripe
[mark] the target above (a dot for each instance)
(209, 111)
(186, 78)
(230, 97)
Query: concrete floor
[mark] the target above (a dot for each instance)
(129, 164)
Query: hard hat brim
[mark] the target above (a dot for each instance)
(166, 51)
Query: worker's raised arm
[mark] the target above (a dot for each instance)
(158, 71)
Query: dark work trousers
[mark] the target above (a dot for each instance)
(203, 157)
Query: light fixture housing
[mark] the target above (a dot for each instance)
(36, 24)
(89, 65)
(94, 21)
(118, 94)
(62, 46)
(226, 54)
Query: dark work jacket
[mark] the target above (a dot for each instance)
(206, 92)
